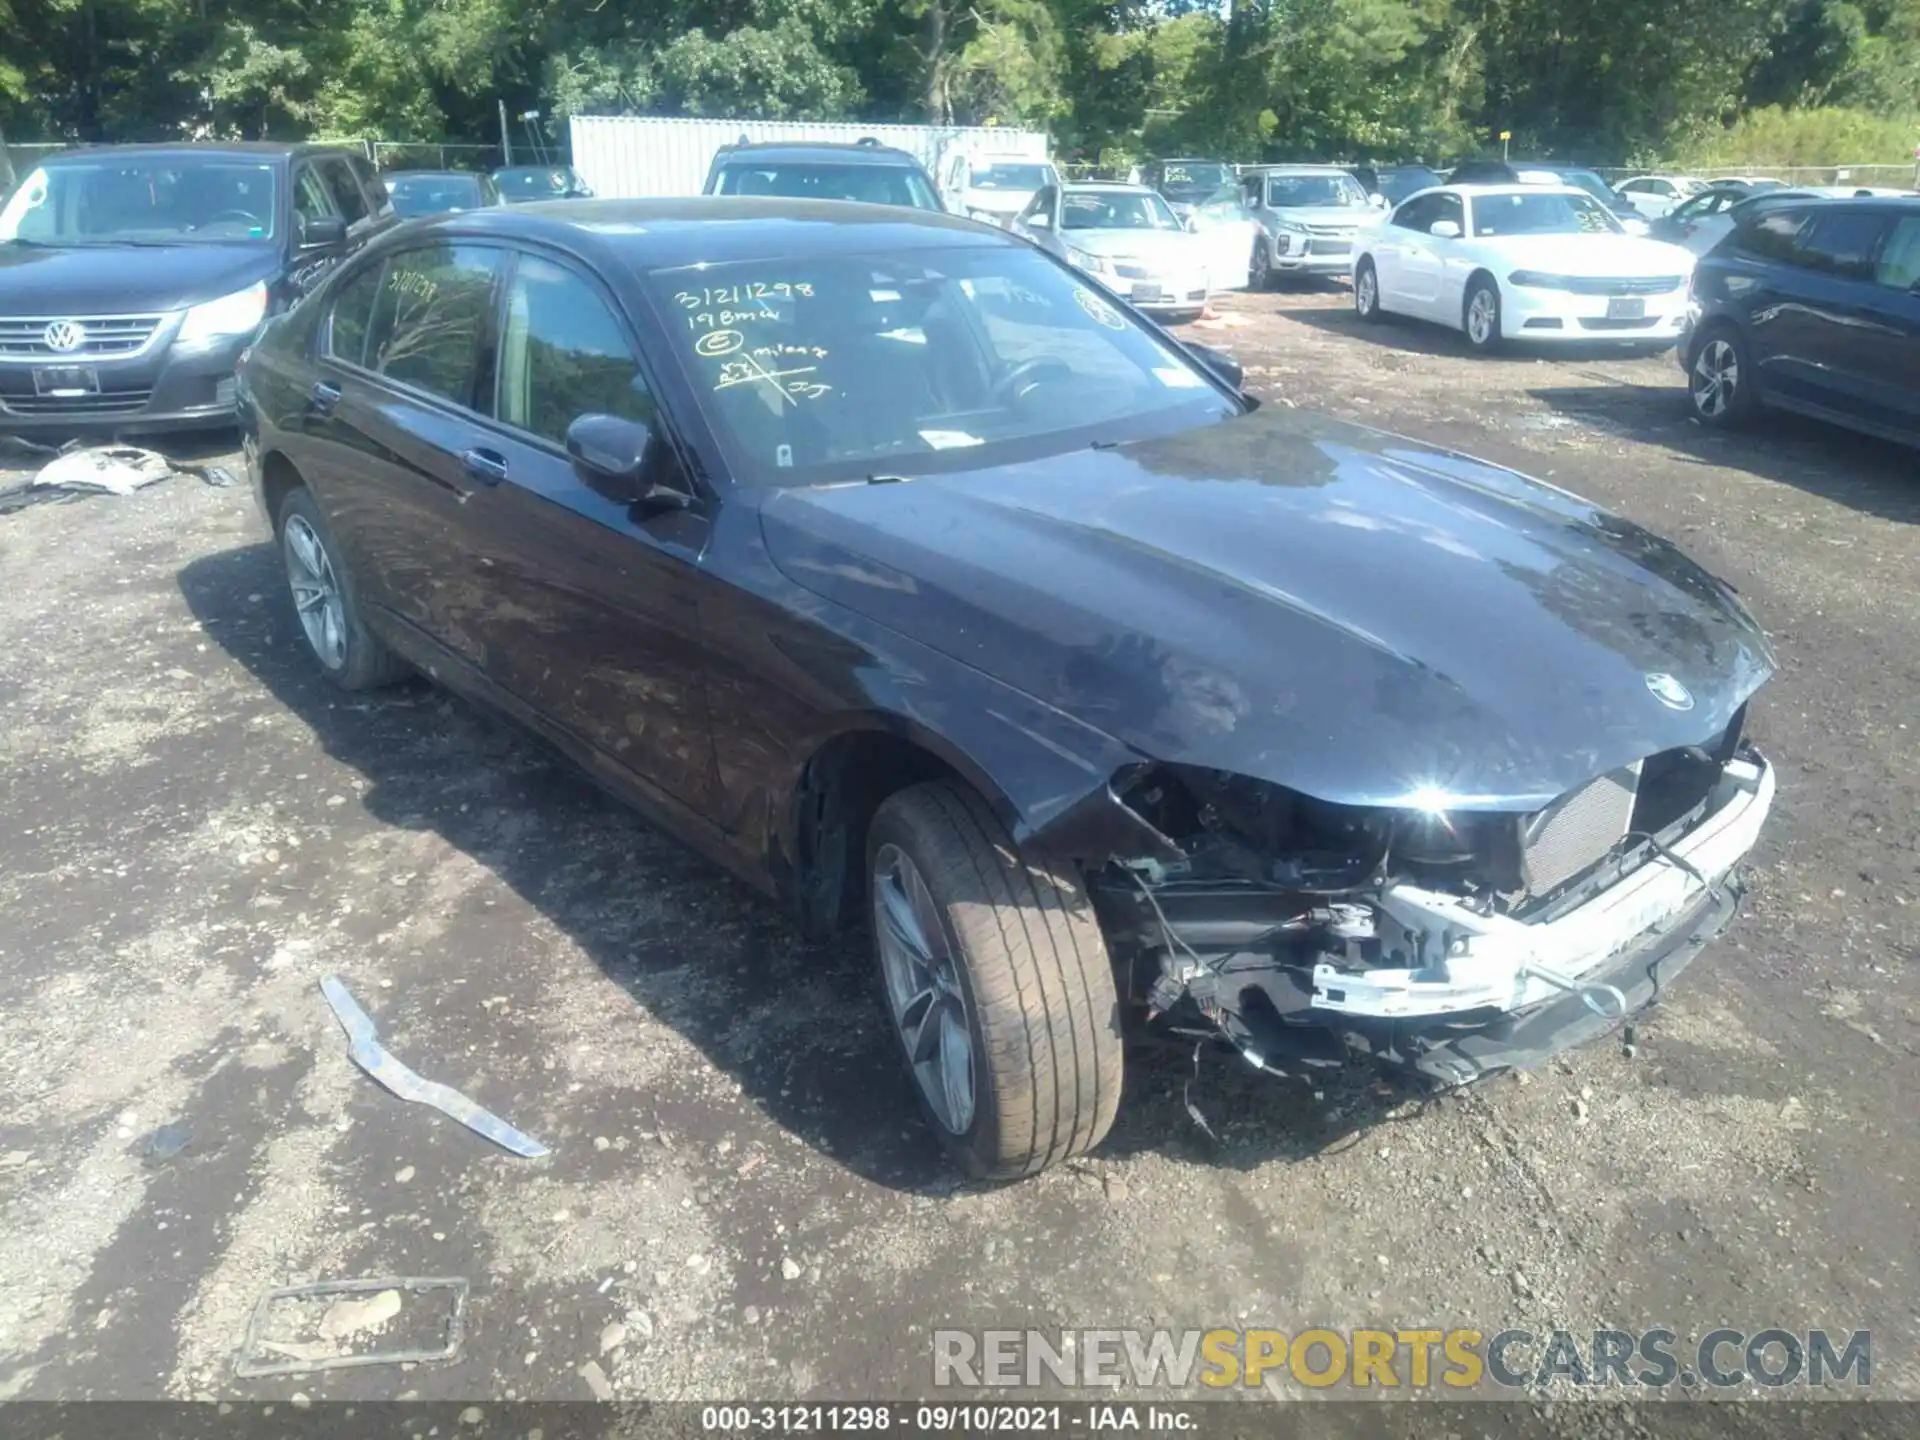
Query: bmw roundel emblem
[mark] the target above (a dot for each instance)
(1669, 691)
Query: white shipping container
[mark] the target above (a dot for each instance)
(625, 156)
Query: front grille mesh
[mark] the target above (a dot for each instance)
(1578, 830)
(1623, 285)
(106, 337)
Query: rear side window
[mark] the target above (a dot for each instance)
(353, 315)
(1842, 243)
(1772, 235)
(562, 355)
(370, 181)
(346, 190)
(430, 316)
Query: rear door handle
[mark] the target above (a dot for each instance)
(322, 398)
(489, 467)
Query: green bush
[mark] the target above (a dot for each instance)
(1824, 135)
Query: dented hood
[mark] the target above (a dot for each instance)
(1330, 608)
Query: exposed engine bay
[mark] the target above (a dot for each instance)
(1450, 940)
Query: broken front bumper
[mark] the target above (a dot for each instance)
(1494, 993)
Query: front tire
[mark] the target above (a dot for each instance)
(1366, 292)
(351, 656)
(996, 982)
(1720, 378)
(1480, 316)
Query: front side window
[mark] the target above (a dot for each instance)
(1548, 213)
(562, 355)
(353, 314)
(347, 197)
(855, 364)
(311, 199)
(158, 200)
(430, 316)
(1899, 267)
(435, 194)
(1116, 210)
(1315, 192)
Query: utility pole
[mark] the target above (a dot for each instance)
(506, 140)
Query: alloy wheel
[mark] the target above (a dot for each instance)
(1716, 378)
(316, 592)
(924, 994)
(1482, 316)
(1366, 292)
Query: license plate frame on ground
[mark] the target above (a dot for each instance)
(1622, 308)
(61, 380)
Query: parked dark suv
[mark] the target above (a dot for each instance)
(1812, 306)
(867, 171)
(132, 276)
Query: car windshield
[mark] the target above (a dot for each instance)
(803, 180)
(1009, 177)
(149, 200)
(1551, 213)
(538, 183)
(1315, 192)
(861, 365)
(434, 194)
(1193, 179)
(1397, 185)
(1115, 210)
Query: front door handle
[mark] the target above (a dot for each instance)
(489, 467)
(322, 398)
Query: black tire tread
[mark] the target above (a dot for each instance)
(1043, 986)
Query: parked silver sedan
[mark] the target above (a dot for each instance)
(1126, 237)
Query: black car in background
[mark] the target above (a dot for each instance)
(865, 171)
(1184, 184)
(436, 192)
(1396, 182)
(524, 184)
(131, 276)
(1811, 305)
(888, 562)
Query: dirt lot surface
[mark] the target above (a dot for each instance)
(740, 1199)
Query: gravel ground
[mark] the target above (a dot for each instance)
(740, 1199)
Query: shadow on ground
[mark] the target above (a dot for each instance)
(1422, 337)
(1874, 476)
(830, 1074)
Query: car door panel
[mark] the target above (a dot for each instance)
(387, 446)
(592, 615)
(1826, 317)
(1896, 361)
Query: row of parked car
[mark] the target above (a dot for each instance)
(1504, 252)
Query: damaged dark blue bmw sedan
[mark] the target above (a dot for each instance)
(936, 593)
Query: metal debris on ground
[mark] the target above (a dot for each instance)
(366, 1051)
(167, 1142)
(336, 1312)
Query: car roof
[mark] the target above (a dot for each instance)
(1119, 185)
(1296, 170)
(669, 232)
(1506, 187)
(431, 175)
(858, 152)
(246, 149)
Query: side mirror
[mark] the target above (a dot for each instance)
(323, 232)
(1445, 229)
(1219, 362)
(611, 455)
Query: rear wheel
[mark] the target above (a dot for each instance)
(1719, 378)
(996, 982)
(1260, 273)
(350, 654)
(1366, 292)
(1480, 316)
